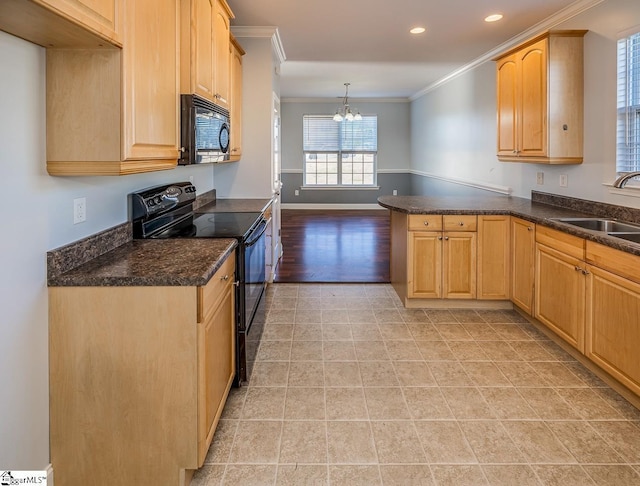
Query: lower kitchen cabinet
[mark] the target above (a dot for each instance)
(613, 313)
(494, 243)
(523, 247)
(138, 379)
(560, 284)
(441, 260)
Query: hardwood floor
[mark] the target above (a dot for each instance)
(334, 246)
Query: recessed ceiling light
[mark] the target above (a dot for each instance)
(493, 18)
(417, 30)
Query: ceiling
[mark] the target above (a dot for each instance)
(367, 42)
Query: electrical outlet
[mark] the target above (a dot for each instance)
(395, 192)
(296, 192)
(79, 210)
(540, 178)
(564, 180)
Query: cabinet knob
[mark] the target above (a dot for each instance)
(440, 238)
(446, 237)
(460, 223)
(529, 228)
(426, 223)
(226, 277)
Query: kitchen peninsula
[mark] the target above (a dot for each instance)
(497, 251)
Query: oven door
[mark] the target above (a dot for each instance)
(254, 270)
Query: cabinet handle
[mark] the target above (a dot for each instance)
(529, 228)
(460, 223)
(577, 268)
(446, 238)
(440, 238)
(585, 272)
(226, 277)
(426, 223)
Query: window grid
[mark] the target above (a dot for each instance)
(340, 154)
(628, 124)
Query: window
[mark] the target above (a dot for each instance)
(341, 154)
(628, 127)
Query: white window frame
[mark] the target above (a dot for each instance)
(336, 155)
(628, 102)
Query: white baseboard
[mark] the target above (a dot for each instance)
(330, 206)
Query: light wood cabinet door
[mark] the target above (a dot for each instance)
(523, 247)
(494, 266)
(506, 80)
(613, 326)
(425, 264)
(560, 294)
(532, 95)
(236, 100)
(104, 17)
(150, 80)
(459, 265)
(222, 56)
(216, 337)
(197, 58)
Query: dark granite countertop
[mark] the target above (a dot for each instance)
(175, 262)
(534, 210)
(235, 206)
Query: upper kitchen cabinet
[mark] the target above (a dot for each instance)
(540, 100)
(205, 55)
(235, 108)
(64, 23)
(112, 111)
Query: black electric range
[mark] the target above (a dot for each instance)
(166, 212)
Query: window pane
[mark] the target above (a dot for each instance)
(310, 179)
(332, 179)
(628, 123)
(347, 179)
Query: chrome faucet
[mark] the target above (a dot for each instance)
(624, 178)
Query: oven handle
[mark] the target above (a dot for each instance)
(254, 238)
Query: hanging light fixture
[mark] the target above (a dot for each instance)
(344, 112)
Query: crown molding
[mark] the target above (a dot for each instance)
(563, 15)
(351, 98)
(265, 32)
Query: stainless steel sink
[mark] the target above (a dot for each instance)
(634, 237)
(602, 224)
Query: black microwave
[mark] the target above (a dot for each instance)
(204, 131)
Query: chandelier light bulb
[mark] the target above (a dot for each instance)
(344, 112)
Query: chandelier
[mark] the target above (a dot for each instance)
(344, 112)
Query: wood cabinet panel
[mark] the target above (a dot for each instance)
(425, 222)
(425, 265)
(462, 222)
(217, 354)
(221, 72)
(533, 100)
(506, 96)
(83, 24)
(613, 326)
(459, 265)
(560, 294)
(523, 245)
(494, 266)
(566, 243)
(236, 100)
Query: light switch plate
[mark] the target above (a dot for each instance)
(564, 180)
(540, 178)
(79, 210)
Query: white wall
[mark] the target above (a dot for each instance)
(37, 217)
(251, 176)
(454, 126)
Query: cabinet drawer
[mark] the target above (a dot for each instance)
(425, 222)
(210, 294)
(616, 261)
(569, 244)
(453, 222)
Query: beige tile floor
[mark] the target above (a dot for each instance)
(350, 388)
